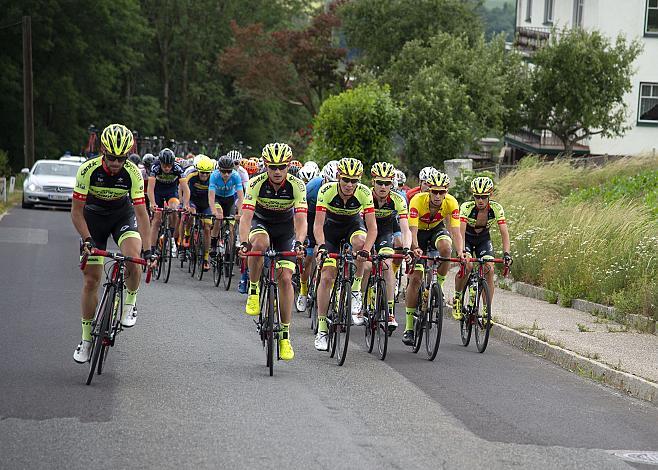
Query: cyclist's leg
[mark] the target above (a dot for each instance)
(214, 236)
(485, 249)
(155, 227)
(129, 241)
(443, 243)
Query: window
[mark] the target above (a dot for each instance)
(578, 13)
(528, 11)
(648, 103)
(651, 26)
(548, 11)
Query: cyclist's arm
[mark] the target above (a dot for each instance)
(150, 189)
(456, 234)
(240, 194)
(414, 237)
(78, 218)
(371, 227)
(504, 235)
(245, 223)
(301, 226)
(406, 233)
(143, 225)
(211, 202)
(186, 191)
(318, 227)
(462, 233)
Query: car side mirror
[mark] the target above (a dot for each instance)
(25, 171)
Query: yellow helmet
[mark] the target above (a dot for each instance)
(382, 170)
(350, 167)
(117, 139)
(482, 185)
(276, 153)
(205, 164)
(438, 180)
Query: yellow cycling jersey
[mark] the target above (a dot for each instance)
(330, 201)
(104, 192)
(275, 205)
(421, 217)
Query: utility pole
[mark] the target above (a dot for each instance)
(28, 109)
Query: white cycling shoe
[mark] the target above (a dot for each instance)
(129, 317)
(322, 341)
(301, 303)
(82, 352)
(357, 303)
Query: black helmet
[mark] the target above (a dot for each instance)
(148, 160)
(135, 158)
(225, 163)
(293, 170)
(166, 157)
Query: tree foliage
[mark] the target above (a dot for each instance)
(357, 123)
(578, 86)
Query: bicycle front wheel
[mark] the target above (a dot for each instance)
(166, 258)
(269, 326)
(466, 324)
(434, 322)
(228, 260)
(101, 330)
(419, 319)
(201, 252)
(381, 317)
(482, 321)
(342, 331)
(370, 315)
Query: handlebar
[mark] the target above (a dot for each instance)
(116, 257)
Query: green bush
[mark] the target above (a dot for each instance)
(357, 123)
(5, 169)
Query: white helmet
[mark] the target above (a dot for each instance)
(426, 172)
(197, 158)
(235, 156)
(312, 164)
(330, 170)
(308, 172)
(400, 177)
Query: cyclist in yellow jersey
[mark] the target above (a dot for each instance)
(477, 217)
(338, 217)
(108, 199)
(273, 200)
(429, 213)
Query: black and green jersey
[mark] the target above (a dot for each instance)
(393, 208)
(339, 210)
(275, 205)
(468, 212)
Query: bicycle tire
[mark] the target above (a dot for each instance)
(310, 304)
(466, 323)
(100, 327)
(269, 320)
(369, 313)
(434, 322)
(166, 257)
(191, 253)
(381, 317)
(332, 319)
(115, 321)
(229, 261)
(419, 318)
(216, 269)
(482, 329)
(201, 252)
(158, 268)
(345, 321)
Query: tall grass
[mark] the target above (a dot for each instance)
(577, 240)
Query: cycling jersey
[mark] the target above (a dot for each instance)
(412, 192)
(244, 176)
(419, 212)
(166, 180)
(273, 205)
(198, 190)
(469, 213)
(225, 188)
(105, 193)
(330, 201)
(312, 189)
(395, 206)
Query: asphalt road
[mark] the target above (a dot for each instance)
(187, 387)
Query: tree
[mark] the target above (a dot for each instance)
(357, 123)
(299, 67)
(454, 92)
(380, 28)
(578, 86)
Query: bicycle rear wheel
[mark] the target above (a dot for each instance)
(192, 252)
(434, 322)
(159, 246)
(419, 320)
(101, 329)
(166, 257)
(217, 268)
(269, 322)
(201, 252)
(370, 314)
(466, 323)
(342, 335)
(332, 319)
(228, 259)
(381, 319)
(482, 321)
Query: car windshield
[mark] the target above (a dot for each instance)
(55, 169)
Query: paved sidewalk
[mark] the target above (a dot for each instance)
(596, 347)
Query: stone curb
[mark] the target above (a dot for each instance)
(631, 384)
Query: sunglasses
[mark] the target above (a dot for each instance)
(481, 196)
(114, 158)
(277, 167)
(383, 183)
(349, 180)
(226, 172)
(205, 172)
(438, 191)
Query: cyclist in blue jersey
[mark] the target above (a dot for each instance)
(328, 175)
(224, 190)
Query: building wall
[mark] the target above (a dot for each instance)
(611, 17)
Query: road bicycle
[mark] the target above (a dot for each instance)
(476, 302)
(197, 249)
(107, 318)
(164, 246)
(224, 260)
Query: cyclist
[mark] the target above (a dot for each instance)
(195, 200)
(477, 217)
(307, 173)
(108, 199)
(338, 217)
(224, 190)
(274, 199)
(251, 166)
(242, 172)
(163, 191)
(423, 177)
(312, 188)
(429, 212)
(391, 214)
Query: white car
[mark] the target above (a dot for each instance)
(72, 158)
(49, 182)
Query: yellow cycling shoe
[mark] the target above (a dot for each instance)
(457, 309)
(285, 350)
(253, 305)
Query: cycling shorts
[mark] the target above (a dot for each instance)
(165, 194)
(335, 232)
(428, 239)
(121, 224)
(227, 204)
(479, 246)
(282, 238)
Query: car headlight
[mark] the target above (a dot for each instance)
(33, 187)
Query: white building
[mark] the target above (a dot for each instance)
(637, 19)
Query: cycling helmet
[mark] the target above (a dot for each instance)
(401, 177)
(330, 171)
(276, 153)
(307, 173)
(148, 160)
(251, 166)
(296, 163)
(235, 156)
(166, 156)
(135, 158)
(426, 172)
(205, 164)
(382, 170)
(293, 170)
(482, 185)
(438, 180)
(225, 163)
(313, 165)
(117, 139)
(350, 167)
